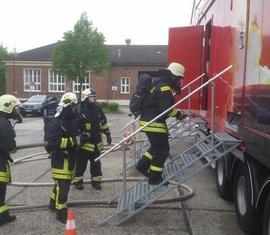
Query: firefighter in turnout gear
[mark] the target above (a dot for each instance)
(8, 110)
(161, 98)
(92, 124)
(61, 135)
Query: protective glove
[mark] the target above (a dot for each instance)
(17, 115)
(109, 138)
(180, 115)
(85, 136)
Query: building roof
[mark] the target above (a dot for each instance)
(120, 54)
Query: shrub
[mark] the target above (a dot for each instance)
(113, 106)
(103, 105)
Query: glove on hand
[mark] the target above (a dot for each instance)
(180, 115)
(109, 139)
(85, 136)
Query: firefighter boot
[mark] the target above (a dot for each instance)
(61, 215)
(5, 217)
(142, 166)
(52, 205)
(155, 178)
(96, 185)
(79, 185)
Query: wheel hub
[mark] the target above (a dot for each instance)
(220, 173)
(241, 195)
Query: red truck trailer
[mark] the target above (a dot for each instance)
(237, 32)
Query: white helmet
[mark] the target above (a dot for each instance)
(8, 103)
(88, 93)
(68, 99)
(176, 69)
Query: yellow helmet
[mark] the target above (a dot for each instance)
(88, 93)
(68, 99)
(176, 69)
(8, 103)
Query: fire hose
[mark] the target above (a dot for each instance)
(185, 196)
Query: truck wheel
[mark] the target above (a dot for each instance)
(266, 217)
(222, 181)
(246, 214)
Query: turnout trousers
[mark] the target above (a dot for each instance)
(62, 173)
(95, 166)
(5, 178)
(152, 162)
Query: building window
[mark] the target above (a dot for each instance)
(57, 83)
(32, 80)
(85, 84)
(125, 84)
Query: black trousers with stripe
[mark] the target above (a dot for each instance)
(82, 160)
(3, 189)
(159, 149)
(4, 180)
(60, 192)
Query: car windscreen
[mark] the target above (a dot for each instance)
(37, 98)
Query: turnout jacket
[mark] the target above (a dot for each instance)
(159, 100)
(7, 145)
(61, 136)
(92, 124)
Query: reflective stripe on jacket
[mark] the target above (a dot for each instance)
(161, 99)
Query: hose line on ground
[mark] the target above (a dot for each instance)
(189, 194)
(108, 203)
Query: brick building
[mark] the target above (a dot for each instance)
(30, 72)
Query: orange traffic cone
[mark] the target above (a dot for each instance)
(70, 226)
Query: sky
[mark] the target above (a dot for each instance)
(28, 24)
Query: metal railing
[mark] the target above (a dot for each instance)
(131, 122)
(210, 81)
(166, 111)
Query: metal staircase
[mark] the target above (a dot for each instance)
(186, 164)
(182, 167)
(178, 131)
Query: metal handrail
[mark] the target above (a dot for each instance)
(184, 87)
(166, 111)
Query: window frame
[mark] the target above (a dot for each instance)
(125, 86)
(58, 77)
(85, 84)
(38, 78)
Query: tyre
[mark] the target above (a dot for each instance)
(266, 217)
(248, 218)
(223, 182)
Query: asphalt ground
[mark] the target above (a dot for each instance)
(204, 213)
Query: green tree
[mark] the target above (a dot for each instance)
(81, 50)
(3, 54)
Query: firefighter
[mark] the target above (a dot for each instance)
(61, 135)
(92, 124)
(152, 163)
(48, 113)
(8, 110)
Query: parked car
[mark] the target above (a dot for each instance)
(35, 104)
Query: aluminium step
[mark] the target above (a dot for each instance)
(184, 166)
(175, 136)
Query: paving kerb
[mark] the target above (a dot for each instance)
(166, 220)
